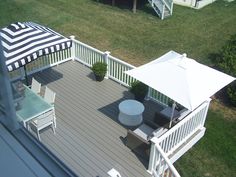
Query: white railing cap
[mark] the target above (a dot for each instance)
(107, 52)
(72, 37)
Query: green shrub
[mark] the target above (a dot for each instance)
(226, 62)
(139, 90)
(99, 68)
(231, 92)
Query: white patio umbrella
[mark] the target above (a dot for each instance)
(182, 79)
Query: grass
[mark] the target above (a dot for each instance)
(215, 154)
(141, 37)
(136, 38)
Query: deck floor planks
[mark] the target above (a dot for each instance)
(88, 135)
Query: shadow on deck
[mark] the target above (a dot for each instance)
(89, 138)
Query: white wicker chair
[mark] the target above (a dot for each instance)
(43, 121)
(35, 86)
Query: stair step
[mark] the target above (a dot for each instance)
(157, 5)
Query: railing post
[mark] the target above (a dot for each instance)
(163, 12)
(73, 47)
(22, 73)
(205, 113)
(153, 156)
(106, 59)
(171, 12)
(148, 94)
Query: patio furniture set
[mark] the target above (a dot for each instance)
(33, 110)
(130, 114)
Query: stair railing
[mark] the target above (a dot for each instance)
(168, 4)
(163, 12)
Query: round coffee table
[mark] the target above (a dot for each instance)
(131, 112)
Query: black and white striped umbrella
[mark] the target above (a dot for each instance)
(25, 42)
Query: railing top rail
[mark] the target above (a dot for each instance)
(184, 120)
(122, 62)
(94, 49)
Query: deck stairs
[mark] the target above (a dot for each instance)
(163, 8)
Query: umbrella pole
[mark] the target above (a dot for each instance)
(172, 114)
(26, 76)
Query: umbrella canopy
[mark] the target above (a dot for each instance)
(182, 79)
(25, 42)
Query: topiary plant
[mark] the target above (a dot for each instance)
(99, 69)
(139, 90)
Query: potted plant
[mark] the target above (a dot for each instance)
(139, 90)
(99, 69)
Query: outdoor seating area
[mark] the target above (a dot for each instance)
(89, 129)
(89, 137)
(34, 111)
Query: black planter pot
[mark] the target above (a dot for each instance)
(139, 98)
(99, 78)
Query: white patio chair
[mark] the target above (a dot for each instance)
(43, 121)
(49, 96)
(35, 86)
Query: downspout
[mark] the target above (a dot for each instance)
(9, 119)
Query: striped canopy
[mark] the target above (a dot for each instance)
(25, 42)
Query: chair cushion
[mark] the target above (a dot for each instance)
(144, 131)
(161, 120)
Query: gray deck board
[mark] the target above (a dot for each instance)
(88, 138)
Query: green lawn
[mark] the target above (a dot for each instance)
(141, 37)
(136, 38)
(215, 153)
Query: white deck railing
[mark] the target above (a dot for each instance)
(160, 165)
(116, 71)
(87, 55)
(162, 147)
(183, 130)
(42, 63)
(116, 67)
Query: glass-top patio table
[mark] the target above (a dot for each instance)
(31, 106)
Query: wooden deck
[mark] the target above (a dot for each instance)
(89, 139)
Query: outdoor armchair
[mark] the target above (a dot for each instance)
(134, 141)
(163, 121)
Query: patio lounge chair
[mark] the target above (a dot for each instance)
(43, 121)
